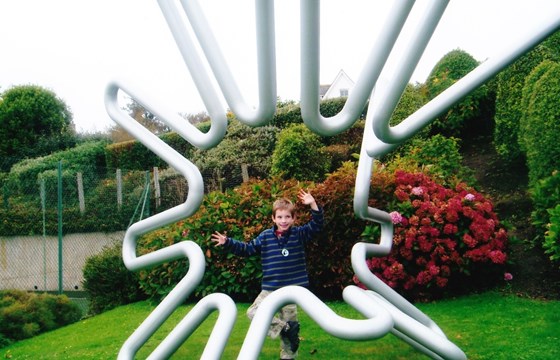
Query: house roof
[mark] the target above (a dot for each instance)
(341, 77)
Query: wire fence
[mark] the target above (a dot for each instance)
(54, 220)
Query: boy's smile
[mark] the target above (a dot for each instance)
(283, 219)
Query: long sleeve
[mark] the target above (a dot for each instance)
(241, 248)
(308, 231)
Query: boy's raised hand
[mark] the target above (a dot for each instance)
(307, 199)
(219, 238)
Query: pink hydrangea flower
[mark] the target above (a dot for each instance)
(417, 190)
(396, 217)
(508, 276)
(469, 197)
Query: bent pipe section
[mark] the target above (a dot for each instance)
(227, 313)
(266, 58)
(361, 251)
(425, 115)
(377, 326)
(153, 104)
(184, 249)
(431, 342)
(310, 68)
(174, 299)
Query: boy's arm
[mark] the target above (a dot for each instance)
(315, 226)
(236, 247)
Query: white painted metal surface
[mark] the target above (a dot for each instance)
(385, 310)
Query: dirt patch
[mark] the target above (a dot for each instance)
(506, 184)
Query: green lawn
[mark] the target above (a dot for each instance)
(491, 325)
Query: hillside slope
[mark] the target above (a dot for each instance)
(533, 274)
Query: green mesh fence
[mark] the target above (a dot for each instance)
(44, 243)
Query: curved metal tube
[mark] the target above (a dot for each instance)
(385, 310)
(310, 68)
(377, 326)
(429, 112)
(430, 341)
(184, 249)
(219, 336)
(266, 53)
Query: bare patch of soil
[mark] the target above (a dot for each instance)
(533, 274)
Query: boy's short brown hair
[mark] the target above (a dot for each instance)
(283, 204)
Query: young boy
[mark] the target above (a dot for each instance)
(283, 263)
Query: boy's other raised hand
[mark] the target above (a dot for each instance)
(307, 199)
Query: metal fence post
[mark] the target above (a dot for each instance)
(60, 227)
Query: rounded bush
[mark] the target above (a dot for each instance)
(24, 314)
(509, 92)
(108, 282)
(298, 155)
(539, 125)
(451, 68)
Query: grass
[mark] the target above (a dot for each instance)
(492, 325)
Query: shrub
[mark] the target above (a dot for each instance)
(441, 157)
(469, 241)
(108, 282)
(337, 155)
(298, 155)
(87, 158)
(24, 315)
(329, 266)
(451, 68)
(289, 113)
(411, 100)
(551, 243)
(545, 195)
(242, 213)
(241, 145)
(445, 240)
(133, 155)
(509, 92)
(540, 125)
(437, 156)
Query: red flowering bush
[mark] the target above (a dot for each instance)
(442, 237)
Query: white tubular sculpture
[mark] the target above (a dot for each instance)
(384, 310)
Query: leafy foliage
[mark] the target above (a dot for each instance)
(454, 229)
(33, 122)
(412, 99)
(444, 238)
(242, 213)
(509, 108)
(540, 125)
(133, 155)
(88, 158)
(545, 195)
(441, 158)
(451, 68)
(108, 282)
(242, 145)
(289, 113)
(551, 243)
(299, 155)
(24, 315)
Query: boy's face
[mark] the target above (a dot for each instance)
(283, 219)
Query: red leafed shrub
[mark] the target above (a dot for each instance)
(445, 240)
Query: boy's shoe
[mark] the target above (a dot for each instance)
(292, 334)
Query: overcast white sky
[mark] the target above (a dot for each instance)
(75, 47)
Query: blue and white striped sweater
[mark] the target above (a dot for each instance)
(279, 270)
